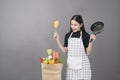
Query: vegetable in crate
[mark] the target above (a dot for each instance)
(46, 60)
(55, 55)
(53, 58)
(62, 60)
(51, 61)
(49, 51)
(40, 59)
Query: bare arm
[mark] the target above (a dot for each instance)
(89, 48)
(57, 38)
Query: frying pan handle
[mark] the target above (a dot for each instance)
(91, 38)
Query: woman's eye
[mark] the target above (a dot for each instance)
(71, 24)
(75, 24)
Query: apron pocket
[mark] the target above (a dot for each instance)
(74, 63)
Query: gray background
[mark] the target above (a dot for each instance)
(26, 31)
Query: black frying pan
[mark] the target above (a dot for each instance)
(97, 28)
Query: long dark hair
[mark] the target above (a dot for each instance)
(79, 19)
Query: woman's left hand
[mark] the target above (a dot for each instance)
(93, 36)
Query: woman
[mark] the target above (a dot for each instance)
(77, 45)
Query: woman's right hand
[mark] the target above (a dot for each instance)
(56, 36)
(93, 37)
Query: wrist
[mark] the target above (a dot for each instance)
(58, 41)
(91, 42)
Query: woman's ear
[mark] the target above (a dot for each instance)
(81, 25)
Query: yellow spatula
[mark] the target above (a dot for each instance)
(56, 24)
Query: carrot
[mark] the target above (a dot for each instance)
(54, 55)
(57, 55)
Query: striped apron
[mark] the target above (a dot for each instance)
(77, 61)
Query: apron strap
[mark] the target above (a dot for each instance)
(72, 33)
(81, 34)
